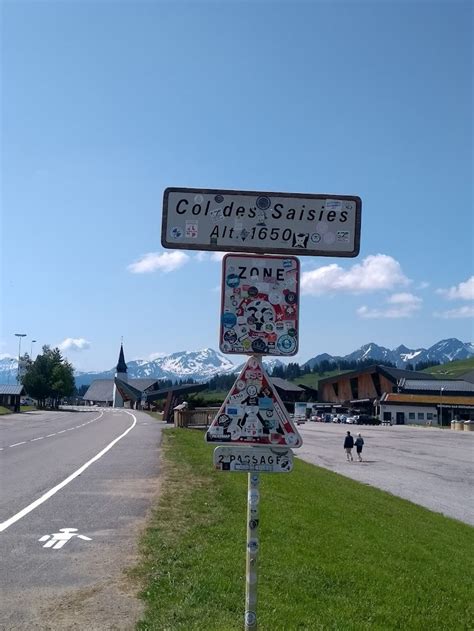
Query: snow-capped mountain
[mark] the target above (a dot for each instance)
(443, 352)
(198, 365)
(203, 364)
(8, 370)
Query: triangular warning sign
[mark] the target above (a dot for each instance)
(253, 413)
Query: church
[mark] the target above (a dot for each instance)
(111, 393)
(121, 391)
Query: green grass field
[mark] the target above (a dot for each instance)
(334, 554)
(312, 379)
(452, 370)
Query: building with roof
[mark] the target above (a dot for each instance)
(432, 401)
(121, 391)
(104, 392)
(10, 396)
(400, 396)
(360, 388)
(120, 373)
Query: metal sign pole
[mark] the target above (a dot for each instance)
(253, 499)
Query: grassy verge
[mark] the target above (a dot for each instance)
(4, 410)
(451, 370)
(335, 554)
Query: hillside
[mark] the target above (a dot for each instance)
(451, 370)
(312, 379)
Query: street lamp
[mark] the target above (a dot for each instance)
(31, 354)
(441, 407)
(19, 336)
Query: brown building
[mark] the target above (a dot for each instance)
(362, 388)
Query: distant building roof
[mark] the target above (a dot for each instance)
(103, 389)
(427, 399)
(468, 376)
(121, 365)
(393, 374)
(184, 388)
(144, 384)
(287, 386)
(435, 385)
(17, 389)
(100, 390)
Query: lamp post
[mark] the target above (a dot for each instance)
(441, 407)
(31, 354)
(19, 336)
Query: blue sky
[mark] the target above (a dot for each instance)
(106, 104)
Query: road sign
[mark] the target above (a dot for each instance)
(261, 222)
(259, 305)
(253, 459)
(253, 413)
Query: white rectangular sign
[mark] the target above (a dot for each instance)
(259, 305)
(253, 459)
(267, 223)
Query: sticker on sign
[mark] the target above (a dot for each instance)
(261, 222)
(249, 459)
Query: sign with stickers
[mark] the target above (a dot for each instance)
(266, 223)
(253, 413)
(253, 459)
(259, 305)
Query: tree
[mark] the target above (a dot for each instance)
(50, 376)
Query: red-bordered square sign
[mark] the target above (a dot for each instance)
(259, 305)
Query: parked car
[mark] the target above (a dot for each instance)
(27, 401)
(351, 420)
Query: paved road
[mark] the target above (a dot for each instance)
(428, 466)
(103, 465)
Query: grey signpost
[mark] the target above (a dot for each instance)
(261, 222)
(259, 316)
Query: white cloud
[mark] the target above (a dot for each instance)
(423, 285)
(6, 356)
(402, 305)
(74, 344)
(462, 312)
(164, 262)
(214, 257)
(375, 273)
(463, 291)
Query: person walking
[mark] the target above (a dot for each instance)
(359, 443)
(348, 445)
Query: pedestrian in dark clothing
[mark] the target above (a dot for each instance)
(359, 443)
(348, 445)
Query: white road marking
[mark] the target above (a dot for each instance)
(6, 524)
(58, 539)
(32, 440)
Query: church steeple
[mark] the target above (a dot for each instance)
(121, 366)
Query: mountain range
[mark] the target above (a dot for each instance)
(203, 364)
(443, 351)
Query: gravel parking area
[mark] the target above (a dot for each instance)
(428, 466)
